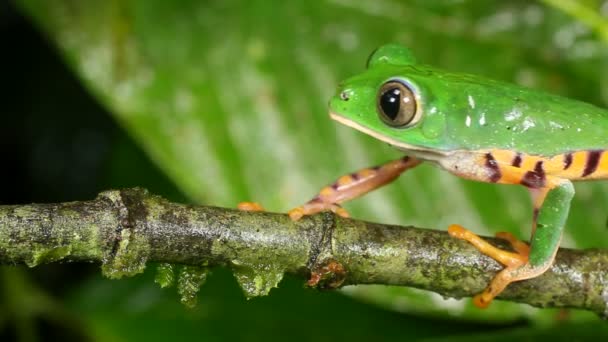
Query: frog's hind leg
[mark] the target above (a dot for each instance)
(551, 197)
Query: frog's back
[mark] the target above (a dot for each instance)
(483, 113)
(528, 129)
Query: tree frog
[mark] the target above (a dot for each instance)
(478, 129)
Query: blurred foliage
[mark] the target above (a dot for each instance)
(228, 99)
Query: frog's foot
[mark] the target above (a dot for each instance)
(504, 257)
(516, 264)
(250, 206)
(316, 205)
(519, 246)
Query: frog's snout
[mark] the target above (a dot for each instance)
(340, 99)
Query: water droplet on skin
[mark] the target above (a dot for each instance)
(471, 102)
(482, 119)
(527, 123)
(513, 115)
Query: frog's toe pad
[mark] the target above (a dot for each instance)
(314, 207)
(481, 301)
(340, 211)
(458, 232)
(250, 206)
(296, 213)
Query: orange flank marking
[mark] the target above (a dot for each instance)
(528, 162)
(510, 178)
(579, 159)
(577, 165)
(503, 156)
(554, 164)
(586, 165)
(602, 167)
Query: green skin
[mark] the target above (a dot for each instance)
(466, 114)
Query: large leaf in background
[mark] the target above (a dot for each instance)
(229, 99)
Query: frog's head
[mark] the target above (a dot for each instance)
(390, 101)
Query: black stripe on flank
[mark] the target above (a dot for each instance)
(567, 160)
(593, 159)
(354, 176)
(494, 169)
(538, 168)
(516, 161)
(535, 179)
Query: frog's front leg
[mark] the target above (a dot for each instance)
(551, 197)
(352, 186)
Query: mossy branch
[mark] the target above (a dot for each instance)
(124, 229)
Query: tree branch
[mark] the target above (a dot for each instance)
(124, 229)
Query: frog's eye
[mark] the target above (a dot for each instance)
(396, 104)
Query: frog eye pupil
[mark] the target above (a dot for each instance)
(390, 101)
(396, 104)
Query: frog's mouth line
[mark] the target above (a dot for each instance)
(417, 150)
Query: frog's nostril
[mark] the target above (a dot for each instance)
(345, 95)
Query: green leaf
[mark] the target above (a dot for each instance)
(229, 99)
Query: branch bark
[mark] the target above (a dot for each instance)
(124, 229)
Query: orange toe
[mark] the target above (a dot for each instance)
(481, 302)
(504, 257)
(518, 245)
(341, 212)
(296, 213)
(250, 206)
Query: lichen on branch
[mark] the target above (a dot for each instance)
(123, 230)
